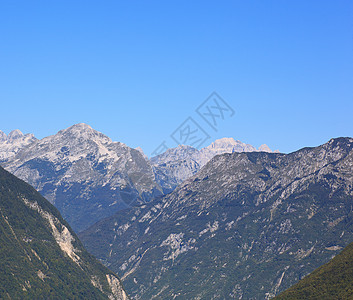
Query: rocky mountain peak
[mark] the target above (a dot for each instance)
(84, 131)
(85, 174)
(224, 141)
(173, 154)
(139, 149)
(11, 144)
(264, 148)
(177, 164)
(228, 145)
(341, 141)
(15, 134)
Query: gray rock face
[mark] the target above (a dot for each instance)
(176, 165)
(10, 145)
(84, 174)
(246, 226)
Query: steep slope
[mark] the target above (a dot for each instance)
(84, 174)
(177, 164)
(40, 256)
(247, 226)
(333, 280)
(10, 145)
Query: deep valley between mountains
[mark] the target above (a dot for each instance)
(228, 221)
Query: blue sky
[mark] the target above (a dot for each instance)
(136, 70)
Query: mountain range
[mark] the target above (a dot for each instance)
(246, 226)
(40, 256)
(84, 174)
(88, 177)
(226, 221)
(177, 164)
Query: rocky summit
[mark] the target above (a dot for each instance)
(84, 174)
(246, 226)
(11, 144)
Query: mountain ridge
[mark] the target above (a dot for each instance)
(88, 177)
(247, 225)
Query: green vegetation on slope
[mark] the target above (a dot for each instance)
(33, 264)
(333, 280)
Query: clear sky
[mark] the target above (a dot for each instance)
(136, 70)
